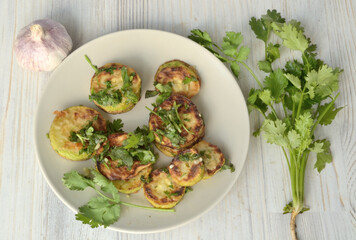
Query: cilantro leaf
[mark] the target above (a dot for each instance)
(293, 37)
(323, 157)
(272, 16)
(122, 156)
(276, 82)
(265, 96)
(303, 125)
(274, 132)
(187, 80)
(115, 126)
(145, 156)
(151, 93)
(322, 82)
(235, 68)
(254, 102)
(231, 42)
(293, 79)
(75, 181)
(204, 39)
(265, 66)
(104, 184)
(272, 52)
(294, 139)
(242, 54)
(99, 211)
(329, 115)
(259, 29)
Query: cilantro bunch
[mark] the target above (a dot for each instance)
(104, 209)
(305, 90)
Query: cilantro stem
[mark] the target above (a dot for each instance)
(285, 155)
(90, 63)
(292, 174)
(300, 102)
(323, 113)
(307, 62)
(302, 174)
(284, 108)
(274, 111)
(149, 208)
(101, 194)
(253, 74)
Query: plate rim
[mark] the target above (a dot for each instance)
(118, 229)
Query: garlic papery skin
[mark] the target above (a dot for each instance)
(42, 45)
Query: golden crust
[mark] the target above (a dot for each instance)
(212, 156)
(68, 120)
(98, 82)
(187, 172)
(175, 72)
(113, 172)
(191, 119)
(134, 184)
(162, 192)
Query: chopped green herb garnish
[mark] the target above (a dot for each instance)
(172, 124)
(188, 189)
(115, 126)
(146, 180)
(189, 156)
(170, 194)
(107, 96)
(188, 80)
(164, 91)
(228, 165)
(90, 139)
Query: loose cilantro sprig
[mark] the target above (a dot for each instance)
(305, 89)
(104, 209)
(231, 50)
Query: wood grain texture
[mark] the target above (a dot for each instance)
(253, 208)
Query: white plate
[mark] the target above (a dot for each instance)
(220, 101)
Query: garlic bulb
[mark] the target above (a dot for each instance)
(42, 45)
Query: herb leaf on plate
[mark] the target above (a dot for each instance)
(104, 209)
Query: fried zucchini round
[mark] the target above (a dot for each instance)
(191, 127)
(113, 77)
(183, 77)
(73, 119)
(111, 170)
(162, 192)
(134, 184)
(212, 156)
(187, 168)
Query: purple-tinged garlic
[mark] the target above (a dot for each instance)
(42, 45)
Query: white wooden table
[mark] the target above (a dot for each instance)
(253, 208)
